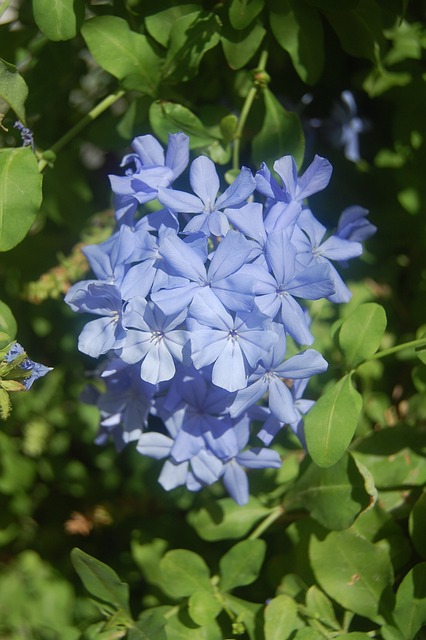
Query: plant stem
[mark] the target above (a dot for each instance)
(276, 513)
(251, 95)
(84, 122)
(399, 347)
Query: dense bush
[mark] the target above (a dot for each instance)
(328, 538)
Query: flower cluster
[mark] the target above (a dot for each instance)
(194, 304)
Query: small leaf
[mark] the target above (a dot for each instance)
(5, 404)
(13, 89)
(243, 12)
(334, 496)
(122, 52)
(241, 564)
(410, 609)
(100, 580)
(331, 423)
(59, 19)
(240, 46)
(20, 195)
(281, 134)
(169, 117)
(150, 626)
(224, 519)
(321, 607)
(361, 333)
(203, 607)
(182, 627)
(8, 326)
(184, 572)
(281, 618)
(11, 385)
(246, 613)
(159, 24)
(353, 571)
(298, 29)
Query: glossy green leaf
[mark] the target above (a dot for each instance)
(125, 54)
(281, 134)
(241, 564)
(224, 519)
(417, 525)
(352, 571)
(184, 572)
(203, 607)
(280, 618)
(240, 46)
(59, 19)
(410, 609)
(100, 580)
(190, 38)
(20, 195)
(13, 89)
(170, 117)
(159, 25)
(334, 496)
(8, 326)
(331, 423)
(243, 12)
(299, 31)
(361, 333)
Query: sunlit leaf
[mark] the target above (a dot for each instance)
(361, 333)
(59, 19)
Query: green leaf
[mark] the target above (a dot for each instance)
(150, 626)
(59, 19)
(203, 607)
(298, 29)
(184, 572)
(8, 325)
(20, 195)
(190, 38)
(169, 117)
(181, 627)
(159, 25)
(352, 571)
(243, 12)
(361, 333)
(356, 30)
(280, 618)
(410, 610)
(321, 608)
(5, 408)
(147, 557)
(246, 612)
(334, 496)
(417, 525)
(281, 134)
(125, 54)
(331, 423)
(241, 564)
(13, 89)
(224, 519)
(240, 46)
(100, 580)
(334, 5)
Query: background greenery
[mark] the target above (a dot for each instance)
(333, 543)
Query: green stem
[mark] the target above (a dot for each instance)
(276, 513)
(84, 122)
(399, 347)
(246, 110)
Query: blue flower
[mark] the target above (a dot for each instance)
(32, 370)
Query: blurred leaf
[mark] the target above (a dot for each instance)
(246, 612)
(361, 333)
(243, 12)
(5, 409)
(8, 325)
(122, 52)
(184, 572)
(159, 24)
(410, 609)
(240, 46)
(357, 30)
(331, 423)
(100, 580)
(203, 607)
(352, 571)
(298, 29)
(224, 519)
(58, 19)
(21, 195)
(281, 134)
(321, 607)
(334, 496)
(13, 89)
(150, 626)
(147, 556)
(417, 525)
(334, 5)
(241, 564)
(169, 117)
(190, 38)
(181, 627)
(280, 618)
